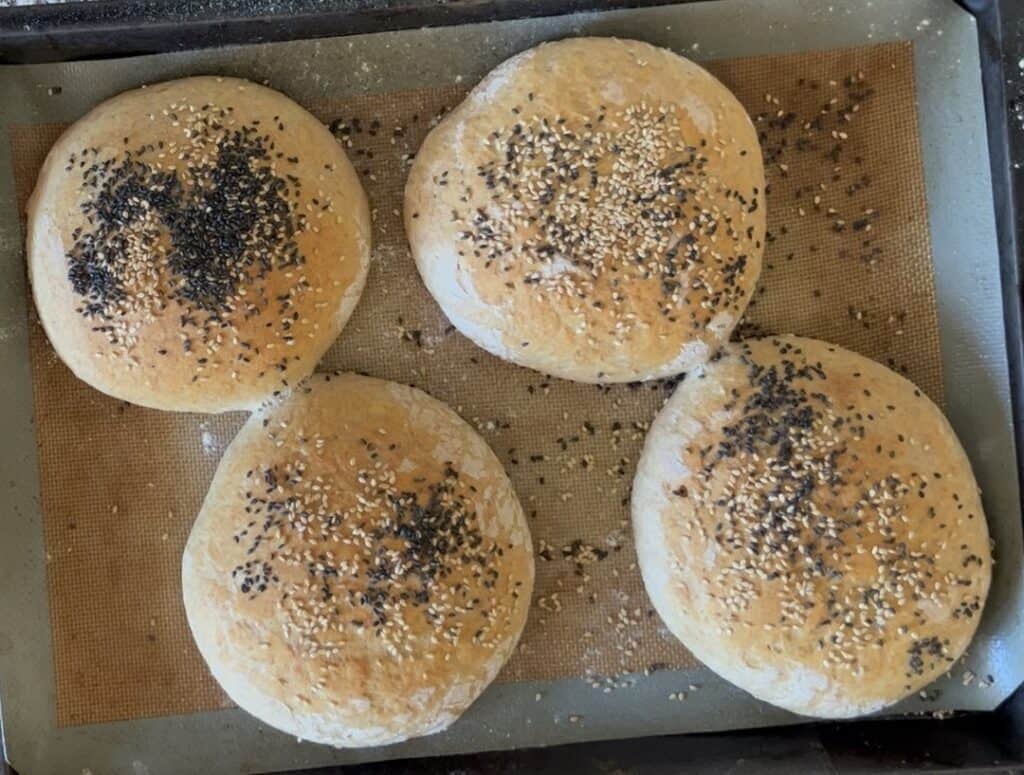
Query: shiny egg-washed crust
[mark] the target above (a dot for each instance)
(361, 695)
(156, 370)
(510, 306)
(699, 562)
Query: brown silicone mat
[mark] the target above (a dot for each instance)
(848, 260)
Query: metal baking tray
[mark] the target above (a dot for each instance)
(949, 68)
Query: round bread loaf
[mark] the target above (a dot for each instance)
(808, 526)
(594, 210)
(196, 245)
(361, 568)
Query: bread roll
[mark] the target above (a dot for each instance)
(594, 210)
(361, 568)
(196, 245)
(808, 526)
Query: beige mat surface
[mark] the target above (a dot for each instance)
(848, 260)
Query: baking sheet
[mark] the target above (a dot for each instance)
(569, 709)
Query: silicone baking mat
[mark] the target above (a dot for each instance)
(848, 260)
(854, 136)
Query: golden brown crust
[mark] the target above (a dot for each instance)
(593, 209)
(178, 264)
(361, 568)
(808, 525)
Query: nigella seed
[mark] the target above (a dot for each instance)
(198, 236)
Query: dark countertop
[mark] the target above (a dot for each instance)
(77, 30)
